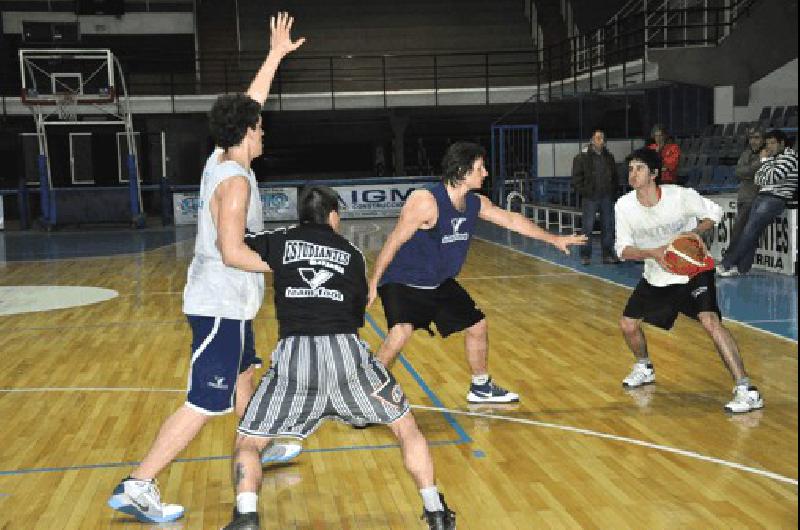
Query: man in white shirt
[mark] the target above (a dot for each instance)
(224, 286)
(647, 219)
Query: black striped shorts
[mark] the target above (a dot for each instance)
(317, 377)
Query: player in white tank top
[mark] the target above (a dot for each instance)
(213, 288)
(224, 287)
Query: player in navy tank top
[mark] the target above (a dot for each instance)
(415, 271)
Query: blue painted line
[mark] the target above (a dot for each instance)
(110, 465)
(463, 436)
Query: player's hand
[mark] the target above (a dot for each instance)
(562, 243)
(280, 40)
(373, 293)
(658, 255)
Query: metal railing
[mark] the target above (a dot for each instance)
(582, 63)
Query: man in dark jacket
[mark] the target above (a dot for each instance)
(594, 176)
(749, 162)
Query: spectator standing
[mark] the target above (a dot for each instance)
(594, 176)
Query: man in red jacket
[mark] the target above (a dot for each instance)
(669, 151)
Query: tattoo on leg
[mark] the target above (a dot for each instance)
(239, 473)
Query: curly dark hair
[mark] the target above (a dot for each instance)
(230, 117)
(649, 157)
(458, 160)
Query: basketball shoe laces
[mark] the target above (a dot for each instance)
(149, 497)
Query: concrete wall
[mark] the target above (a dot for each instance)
(555, 158)
(778, 88)
(128, 24)
(761, 42)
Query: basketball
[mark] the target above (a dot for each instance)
(687, 257)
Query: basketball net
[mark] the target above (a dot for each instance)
(66, 106)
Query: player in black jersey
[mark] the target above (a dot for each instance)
(320, 367)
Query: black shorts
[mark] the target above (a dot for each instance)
(448, 306)
(660, 306)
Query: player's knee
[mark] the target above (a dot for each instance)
(628, 325)
(250, 443)
(710, 321)
(479, 329)
(406, 427)
(398, 336)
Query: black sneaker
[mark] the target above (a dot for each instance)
(244, 521)
(441, 519)
(490, 393)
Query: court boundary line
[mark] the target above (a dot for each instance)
(612, 282)
(112, 465)
(633, 441)
(463, 437)
(462, 434)
(449, 412)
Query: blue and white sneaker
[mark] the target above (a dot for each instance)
(490, 393)
(141, 499)
(281, 451)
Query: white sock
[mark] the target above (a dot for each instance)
(247, 502)
(431, 499)
(480, 379)
(646, 361)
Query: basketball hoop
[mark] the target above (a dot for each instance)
(66, 106)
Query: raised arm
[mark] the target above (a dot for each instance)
(229, 211)
(522, 225)
(418, 212)
(280, 45)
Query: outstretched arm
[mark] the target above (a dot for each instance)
(280, 45)
(419, 211)
(522, 225)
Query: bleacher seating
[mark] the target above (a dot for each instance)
(791, 116)
(707, 164)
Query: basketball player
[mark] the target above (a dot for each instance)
(647, 219)
(320, 368)
(224, 287)
(416, 268)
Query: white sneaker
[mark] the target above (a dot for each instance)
(745, 399)
(727, 273)
(281, 451)
(640, 375)
(141, 499)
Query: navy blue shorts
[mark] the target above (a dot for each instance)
(221, 349)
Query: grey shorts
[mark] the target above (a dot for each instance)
(317, 377)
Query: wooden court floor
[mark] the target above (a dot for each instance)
(84, 390)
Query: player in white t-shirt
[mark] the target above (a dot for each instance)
(647, 219)
(224, 285)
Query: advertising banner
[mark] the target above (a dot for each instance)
(184, 206)
(1, 213)
(376, 200)
(280, 204)
(777, 246)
